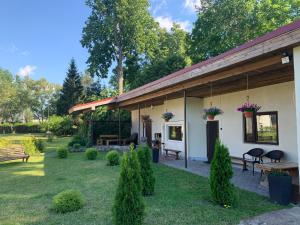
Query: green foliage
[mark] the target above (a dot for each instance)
(29, 145)
(91, 153)
(60, 125)
(4, 142)
(68, 201)
(220, 174)
(148, 180)
(129, 207)
(71, 91)
(76, 146)
(62, 152)
(50, 136)
(113, 158)
(222, 25)
(77, 140)
(40, 145)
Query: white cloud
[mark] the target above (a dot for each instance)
(157, 6)
(192, 4)
(26, 70)
(25, 53)
(167, 22)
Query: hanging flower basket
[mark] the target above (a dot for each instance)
(145, 118)
(167, 116)
(211, 112)
(248, 109)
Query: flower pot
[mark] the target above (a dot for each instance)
(280, 188)
(210, 117)
(167, 120)
(248, 114)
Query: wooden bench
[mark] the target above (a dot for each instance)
(236, 160)
(12, 153)
(176, 153)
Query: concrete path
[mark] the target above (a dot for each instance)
(281, 217)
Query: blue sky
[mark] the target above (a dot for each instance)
(38, 38)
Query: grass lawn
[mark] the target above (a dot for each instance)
(180, 198)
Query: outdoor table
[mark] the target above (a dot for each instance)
(106, 138)
(290, 167)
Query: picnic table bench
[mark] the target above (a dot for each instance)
(107, 138)
(13, 153)
(176, 152)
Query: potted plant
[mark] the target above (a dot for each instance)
(167, 116)
(145, 118)
(280, 187)
(248, 109)
(211, 112)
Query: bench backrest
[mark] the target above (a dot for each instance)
(11, 151)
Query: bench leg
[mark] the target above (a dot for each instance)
(177, 156)
(244, 166)
(27, 158)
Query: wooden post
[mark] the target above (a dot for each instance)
(119, 112)
(185, 131)
(139, 139)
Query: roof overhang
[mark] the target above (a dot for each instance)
(260, 58)
(91, 106)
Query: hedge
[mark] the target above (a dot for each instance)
(20, 128)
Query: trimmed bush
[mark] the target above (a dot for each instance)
(129, 207)
(68, 201)
(29, 145)
(77, 140)
(25, 128)
(59, 125)
(113, 158)
(76, 146)
(91, 153)
(62, 153)
(39, 144)
(220, 174)
(148, 180)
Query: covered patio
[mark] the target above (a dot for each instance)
(265, 71)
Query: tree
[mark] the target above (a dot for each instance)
(220, 174)
(225, 24)
(148, 180)
(114, 30)
(129, 208)
(71, 90)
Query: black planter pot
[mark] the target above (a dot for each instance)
(155, 155)
(280, 188)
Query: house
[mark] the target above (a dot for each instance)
(265, 71)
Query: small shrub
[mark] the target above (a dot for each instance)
(29, 146)
(62, 153)
(91, 153)
(68, 201)
(39, 144)
(77, 140)
(220, 174)
(76, 146)
(129, 207)
(148, 180)
(113, 158)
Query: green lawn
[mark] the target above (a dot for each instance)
(180, 198)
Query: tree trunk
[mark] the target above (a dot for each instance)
(120, 72)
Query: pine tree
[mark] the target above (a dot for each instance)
(148, 179)
(71, 91)
(129, 206)
(220, 174)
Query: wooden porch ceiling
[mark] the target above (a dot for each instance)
(266, 70)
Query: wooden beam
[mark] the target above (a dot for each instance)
(273, 60)
(185, 132)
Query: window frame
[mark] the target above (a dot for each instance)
(255, 131)
(168, 132)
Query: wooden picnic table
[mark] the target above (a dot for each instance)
(290, 167)
(107, 138)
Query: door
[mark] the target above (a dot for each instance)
(148, 132)
(212, 134)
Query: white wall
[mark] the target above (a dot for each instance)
(279, 97)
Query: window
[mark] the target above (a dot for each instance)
(262, 128)
(175, 133)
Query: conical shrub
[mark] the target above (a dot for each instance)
(220, 174)
(129, 207)
(148, 180)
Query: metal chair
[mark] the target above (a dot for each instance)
(274, 155)
(256, 154)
